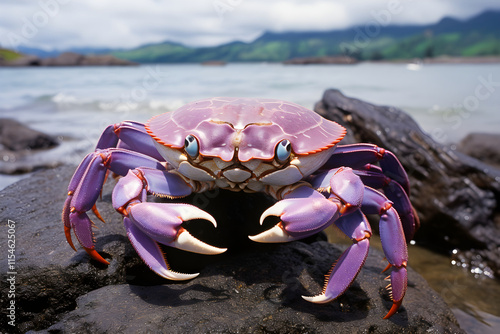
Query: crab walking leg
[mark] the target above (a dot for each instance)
(358, 155)
(128, 135)
(148, 224)
(85, 187)
(73, 184)
(374, 178)
(142, 180)
(394, 192)
(345, 270)
(393, 243)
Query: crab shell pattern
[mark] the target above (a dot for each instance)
(251, 145)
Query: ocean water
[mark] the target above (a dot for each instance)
(447, 100)
(76, 103)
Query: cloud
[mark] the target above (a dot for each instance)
(125, 23)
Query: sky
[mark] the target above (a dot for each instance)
(64, 24)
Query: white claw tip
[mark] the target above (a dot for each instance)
(319, 299)
(187, 242)
(175, 276)
(275, 234)
(275, 210)
(188, 212)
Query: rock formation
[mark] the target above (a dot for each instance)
(68, 59)
(254, 288)
(456, 196)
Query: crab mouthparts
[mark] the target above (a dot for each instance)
(236, 175)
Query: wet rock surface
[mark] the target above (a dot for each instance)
(16, 136)
(456, 196)
(258, 292)
(482, 146)
(252, 288)
(18, 146)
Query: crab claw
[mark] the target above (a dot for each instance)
(151, 253)
(151, 223)
(300, 218)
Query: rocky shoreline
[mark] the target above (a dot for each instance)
(254, 288)
(346, 60)
(332, 60)
(67, 59)
(74, 59)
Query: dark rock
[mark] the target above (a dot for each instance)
(337, 60)
(68, 59)
(214, 63)
(259, 292)
(74, 59)
(105, 60)
(25, 60)
(21, 148)
(254, 289)
(16, 136)
(456, 196)
(50, 275)
(64, 59)
(482, 146)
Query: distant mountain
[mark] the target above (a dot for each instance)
(166, 52)
(477, 36)
(8, 55)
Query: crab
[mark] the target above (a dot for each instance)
(253, 145)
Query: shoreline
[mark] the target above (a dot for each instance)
(442, 60)
(75, 60)
(344, 60)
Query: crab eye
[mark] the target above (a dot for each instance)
(191, 146)
(283, 150)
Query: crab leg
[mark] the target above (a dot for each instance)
(86, 185)
(348, 195)
(393, 243)
(374, 178)
(347, 267)
(394, 192)
(73, 184)
(303, 212)
(358, 155)
(128, 135)
(151, 253)
(298, 219)
(149, 224)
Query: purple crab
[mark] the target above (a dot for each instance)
(251, 145)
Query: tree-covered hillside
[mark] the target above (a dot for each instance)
(478, 36)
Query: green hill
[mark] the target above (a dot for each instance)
(8, 55)
(478, 36)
